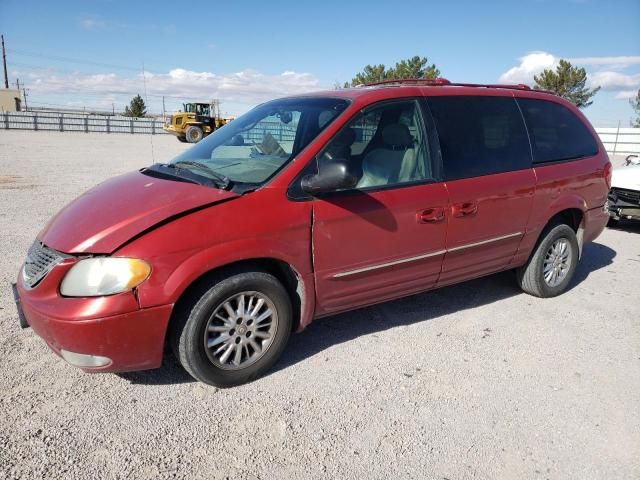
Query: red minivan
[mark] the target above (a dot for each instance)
(312, 205)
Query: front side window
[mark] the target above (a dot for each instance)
(556, 133)
(480, 135)
(383, 145)
(253, 147)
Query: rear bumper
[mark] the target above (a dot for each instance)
(131, 341)
(595, 221)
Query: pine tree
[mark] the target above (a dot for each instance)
(136, 108)
(568, 82)
(414, 67)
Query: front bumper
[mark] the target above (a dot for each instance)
(171, 129)
(80, 328)
(623, 203)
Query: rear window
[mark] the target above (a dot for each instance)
(556, 133)
(480, 135)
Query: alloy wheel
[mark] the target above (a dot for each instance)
(557, 262)
(240, 330)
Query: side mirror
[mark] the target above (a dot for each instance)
(333, 176)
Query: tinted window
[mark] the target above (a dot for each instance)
(556, 133)
(480, 135)
(384, 145)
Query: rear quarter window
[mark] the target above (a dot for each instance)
(556, 133)
(480, 135)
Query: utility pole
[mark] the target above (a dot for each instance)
(4, 63)
(24, 92)
(17, 83)
(163, 115)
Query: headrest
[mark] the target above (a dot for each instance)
(397, 135)
(346, 137)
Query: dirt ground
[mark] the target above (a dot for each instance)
(476, 381)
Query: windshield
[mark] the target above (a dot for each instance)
(256, 145)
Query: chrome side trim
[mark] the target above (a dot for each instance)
(421, 257)
(388, 264)
(484, 242)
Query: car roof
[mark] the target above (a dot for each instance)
(438, 87)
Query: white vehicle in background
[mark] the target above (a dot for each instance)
(624, 196)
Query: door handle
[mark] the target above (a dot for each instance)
(430, 215)
(464, 209)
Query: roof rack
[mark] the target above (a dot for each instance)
(443, 82)
(410, 81)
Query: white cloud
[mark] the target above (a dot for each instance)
(246, 87)
(626, 94)
(90, 23)
(608, 79)
(531, 64)
(617, 62)
(614, 80)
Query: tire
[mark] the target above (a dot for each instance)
(531, 276)
(613, 222)
(192, 330)
(193, 134)
(182, 139)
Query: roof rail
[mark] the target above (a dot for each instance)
(417, 81)
(515, 86)
(443, 82)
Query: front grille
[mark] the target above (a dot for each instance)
(39, 262)
(627, 196)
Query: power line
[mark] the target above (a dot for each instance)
(102, 109)
(106, 92)
(56, 68)
(60, 58)
(102, 92)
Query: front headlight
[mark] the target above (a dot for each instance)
(94, 277)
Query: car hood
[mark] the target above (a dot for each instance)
(105, 217)
(626, 177)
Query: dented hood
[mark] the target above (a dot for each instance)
(105, 217)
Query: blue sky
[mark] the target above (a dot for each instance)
(91, 52)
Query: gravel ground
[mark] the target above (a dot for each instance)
(473, 381)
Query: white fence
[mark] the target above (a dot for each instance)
(620, 141)
(76, 122)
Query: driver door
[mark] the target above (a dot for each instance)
(386, 237)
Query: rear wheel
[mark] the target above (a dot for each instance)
(234, 331)
(552, 265)
(194, 134)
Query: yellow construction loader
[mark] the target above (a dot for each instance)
(194, 123)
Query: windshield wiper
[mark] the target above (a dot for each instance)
(223, 180)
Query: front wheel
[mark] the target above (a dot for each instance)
(193, 134)
(552, 264)
(235, 331)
